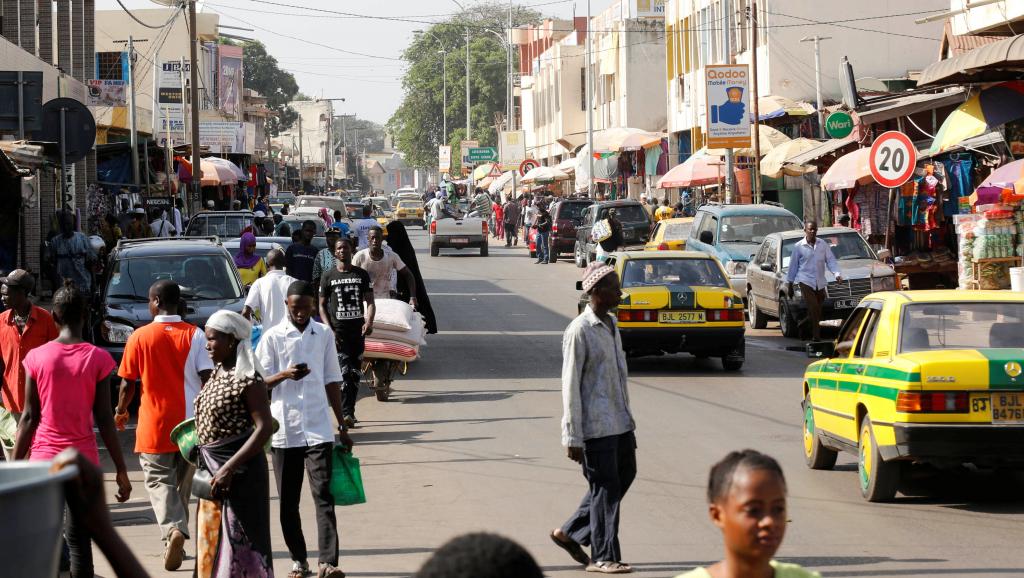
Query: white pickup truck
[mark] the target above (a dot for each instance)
(458, 233)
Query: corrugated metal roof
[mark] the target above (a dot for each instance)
(819, 151)
(994, 62)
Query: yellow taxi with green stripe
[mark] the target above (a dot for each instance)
(919, 377)
(675, 302)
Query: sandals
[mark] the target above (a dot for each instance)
(572, 548)
(609, 568)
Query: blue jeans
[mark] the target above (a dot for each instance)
(543, 246)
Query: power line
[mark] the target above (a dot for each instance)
(821, 23)
(135, 18)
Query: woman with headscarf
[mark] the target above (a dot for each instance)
(250, 265)
(325, 216)
(398, 240)
(232, 424)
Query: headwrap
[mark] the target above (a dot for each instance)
(325, 215)
(594, 273)
(243, 260)
(238, 327)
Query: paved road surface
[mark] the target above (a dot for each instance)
(470, 441)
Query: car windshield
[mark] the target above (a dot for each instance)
(200, 276)
(409, 204)
(295, 223)
(379, 202)
(845, 246)
(677, 231)
(332, 204)
(630, 214)
(970, 325)
(754, 228)
(646, 272)
(571, 211)
(224, 226)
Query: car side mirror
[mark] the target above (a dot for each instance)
(883, 255)
(579, 285)
(820, 349)
(707, 237)
(767, 267)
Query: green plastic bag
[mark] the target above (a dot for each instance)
(346, 479)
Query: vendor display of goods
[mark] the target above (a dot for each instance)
(398, 332)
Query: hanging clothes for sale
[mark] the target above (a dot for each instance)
(652, 157)
(958, 172)
(853, 209)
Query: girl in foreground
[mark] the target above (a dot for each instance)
(747, 501)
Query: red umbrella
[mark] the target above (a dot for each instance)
(699, 169)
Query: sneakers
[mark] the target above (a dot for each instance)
(350, 421)
(174, 550)
(329, 571)
(299, 569)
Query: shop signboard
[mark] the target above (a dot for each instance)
(106, 92)
(512, 149)
(650, 8)
(169, 117)
(444, 158)
(839, 124)
(728, 96)
(464, 147)
(162, 203)
(892, 159)
(229, 80)
(222, 137)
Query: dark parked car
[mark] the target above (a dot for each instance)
(636, 227)
(201, 266)
(223, 224)
(566, 215)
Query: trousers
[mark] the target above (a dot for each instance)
(80, 544)
(814, 298)
(609, 465)
(168, 479)
(288, 472)
(543, 243)
(350, 344)
(510, 233)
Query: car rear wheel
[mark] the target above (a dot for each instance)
(878, 479)
(483, 251)
(789, 326)
(552, 253)
(756, 318)
(816, 455)
(434, 250)
(732, 363)
(578, 256)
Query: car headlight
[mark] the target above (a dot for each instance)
(887, 283)
(116, 332)
(736, 268)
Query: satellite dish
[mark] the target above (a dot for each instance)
(871, 84)
(79, 133)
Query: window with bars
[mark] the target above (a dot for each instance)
(109, 66)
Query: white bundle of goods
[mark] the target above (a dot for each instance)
(397, 332)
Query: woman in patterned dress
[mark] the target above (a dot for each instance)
(233, 423)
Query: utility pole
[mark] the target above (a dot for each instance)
(730, 175)
(302, 164)
(197, 174)
(589, 96)
(444, 95)
(817, 78)
(753, 97)
(134, 138)
(509, 96)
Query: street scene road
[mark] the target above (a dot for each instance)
(470, 441)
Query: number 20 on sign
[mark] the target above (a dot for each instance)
(892, 159)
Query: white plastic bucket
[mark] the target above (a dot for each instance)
(1017, 279)
(32, 502)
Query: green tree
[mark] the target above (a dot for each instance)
(262, 74)
(417, 124)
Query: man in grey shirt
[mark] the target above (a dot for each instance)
(597, 424)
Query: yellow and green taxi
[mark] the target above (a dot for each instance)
(919, 376)
(409, 212)
(670, 234)
(675, 302)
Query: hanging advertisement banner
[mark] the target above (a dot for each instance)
(444, 158)
(464, 147)
(223, 137)
(512, 149)
(229, 80)
(728, 95)
(169, 119)
(106, 92)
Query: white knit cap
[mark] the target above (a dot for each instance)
(238, 327)
(594, 273)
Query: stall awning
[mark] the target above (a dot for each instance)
(995, 62)
(907, 105)
(987, 139)
(827, 147)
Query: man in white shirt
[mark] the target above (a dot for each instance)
(160, 226)
(807, 267)
(268, 294)
(380, 264)
(304, 377)
(363, 225)
(179, 205)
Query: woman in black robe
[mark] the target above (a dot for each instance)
(398, 240)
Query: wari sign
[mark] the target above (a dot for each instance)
(483, 154)
(106, 92)
(892, 159)
(728, 96)
(512, 149)
(839, 124)
(444, 158)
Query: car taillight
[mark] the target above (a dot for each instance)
(554, 228)
(663, 247)
(725, 315)
(483, 227)
(433, 227)
(637, 315)
(932, 402)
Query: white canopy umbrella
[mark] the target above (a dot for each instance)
(544, 175)
(568, 166)
(501, 183)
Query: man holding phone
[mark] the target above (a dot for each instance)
(303, 374)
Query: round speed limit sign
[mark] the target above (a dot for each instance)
(893, 158)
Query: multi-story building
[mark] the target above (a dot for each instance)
(309, 137)
(887, 48)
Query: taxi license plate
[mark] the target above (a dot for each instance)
(1008, 408)
(459, 240)
(845, 303)
(680, 317)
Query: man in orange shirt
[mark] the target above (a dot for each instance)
(169, 357)
(23, 327)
